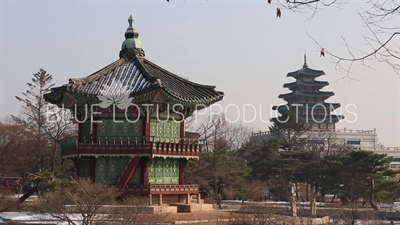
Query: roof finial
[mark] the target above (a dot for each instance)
(305, 60)
(132, 42)
(130, 20)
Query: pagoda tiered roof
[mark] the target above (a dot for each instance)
(298, 83)
(306, 72)
(312, 100)
(309, 106)
(319, 94)
(316, 118)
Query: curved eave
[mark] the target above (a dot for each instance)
(56, 95)
(285, 108)
(307, 72)
(181, 88)
(316, 118)
(207, 101)
(172, 98)
(321, 118)
(295, 85)
(141, 76)
(319, 94)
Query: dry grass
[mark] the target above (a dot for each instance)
(201, 215)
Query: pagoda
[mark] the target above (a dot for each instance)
(306, 101)
(131, 124)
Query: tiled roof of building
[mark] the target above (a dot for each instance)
(321, 94)
(330, 118)
(134, 75)
(141, 76)
(306, 83)
(305, 71)
(309, 106)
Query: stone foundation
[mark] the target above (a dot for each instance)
(193, 207)
(169, 199)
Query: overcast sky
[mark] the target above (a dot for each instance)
(238, 46)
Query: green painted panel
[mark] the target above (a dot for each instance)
(86, 130)
(164, 171)
(68, 144)
(84, 167)
(109, 169)
(109, 128)
(165, 130)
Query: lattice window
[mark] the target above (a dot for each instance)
(137, 128)
(102, 128)
(152, 173)
(159, 168)
(164, 171)
(109, 169)
(113, 128)
(84, 167)
(175, 130)
(175, 168)
(101, 169)
(167, 168)
(112, 171)
(124, 129)
(169, 130)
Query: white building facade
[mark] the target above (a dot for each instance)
(366, 140)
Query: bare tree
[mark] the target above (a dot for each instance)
(135, 210)
(380, 19)
(13, 138)
(257, 214)
(220, 165)
(6, 201)
(47, 124)
(83, 202)
(46, 121)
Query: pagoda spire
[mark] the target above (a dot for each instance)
(305, 61)
(132, 42)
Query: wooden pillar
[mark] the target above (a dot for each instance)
(94, 129)
(181, 171)
(160, 199)
(144, 176)
(182, 131)
(92, 168)
(198, 198)
(146, 128)
(150, 199)
(80, 130)
(188, 199)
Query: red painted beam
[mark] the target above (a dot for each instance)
(129, 171)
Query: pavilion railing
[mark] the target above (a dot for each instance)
(161, 188)
(132, 140)
(150, 144)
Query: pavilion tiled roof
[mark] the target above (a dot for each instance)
(135, 75)
(140, 76)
